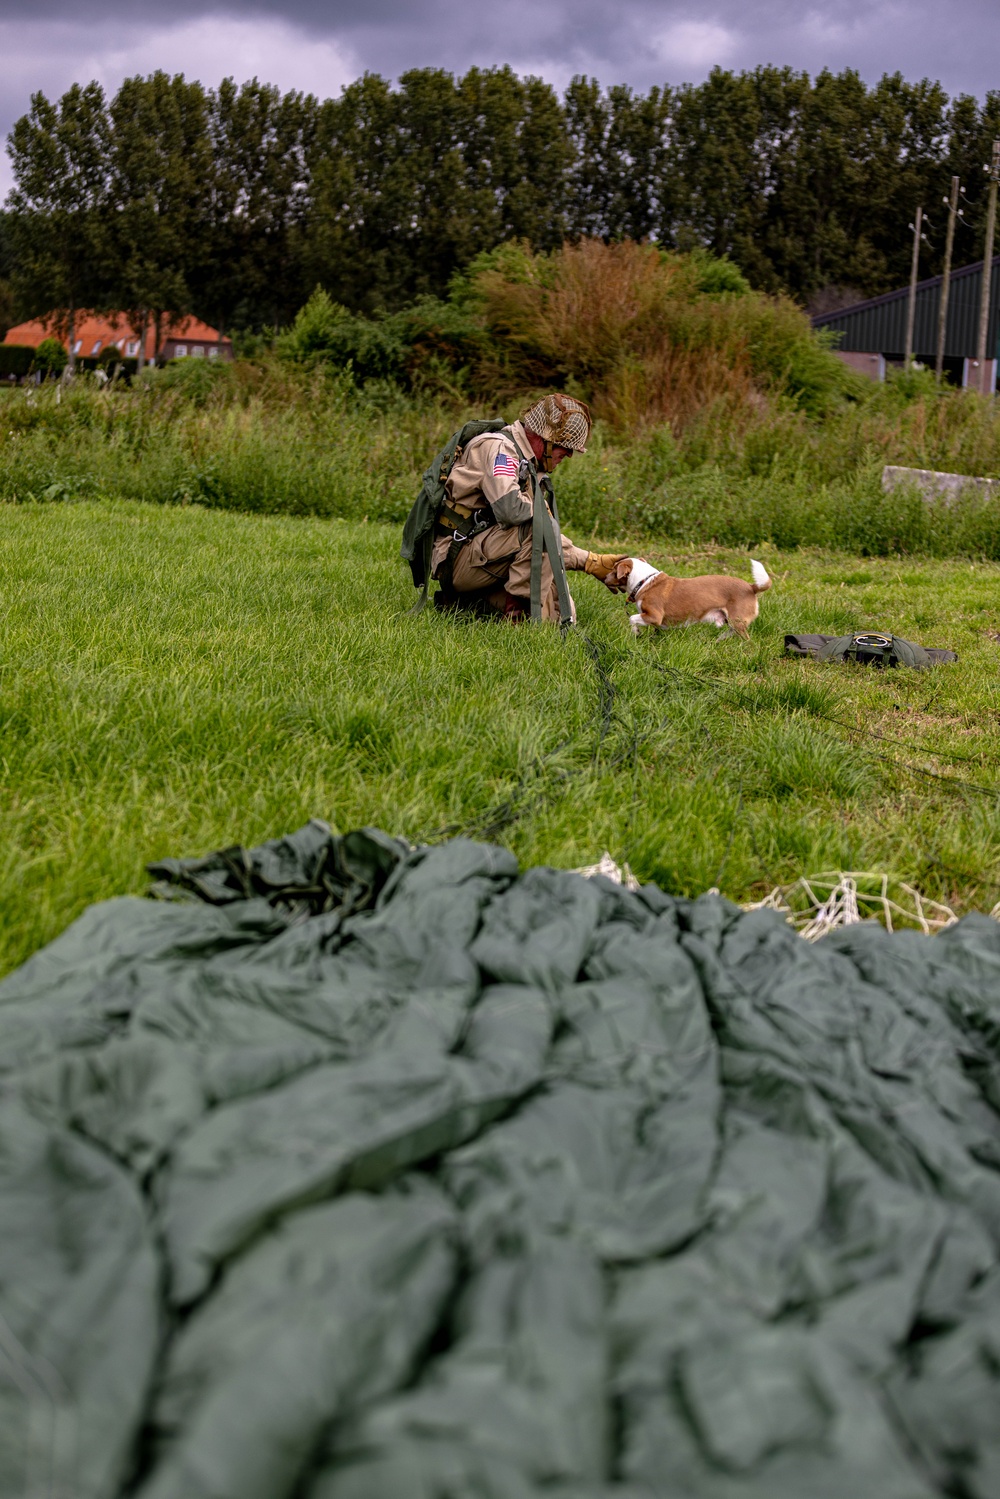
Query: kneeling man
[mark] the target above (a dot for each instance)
(491, 486)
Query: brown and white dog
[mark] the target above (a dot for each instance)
(663, 601)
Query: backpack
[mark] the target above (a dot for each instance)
(869, 648)
(418, 531)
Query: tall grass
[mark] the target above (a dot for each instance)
(267, 438)
(721, 417)
(776, 491)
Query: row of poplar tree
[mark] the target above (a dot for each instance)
(235, 202)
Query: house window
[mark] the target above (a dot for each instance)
(180, 351)
(132, 348)
(96, 349)
(198, 351)
(78, 346)
(213, 353)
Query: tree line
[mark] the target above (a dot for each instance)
(235, 202)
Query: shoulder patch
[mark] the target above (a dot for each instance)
(504, 466)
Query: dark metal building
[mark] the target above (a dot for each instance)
(878, 326)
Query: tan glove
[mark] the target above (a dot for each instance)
(599, 564)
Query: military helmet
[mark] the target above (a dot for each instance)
(560, 420)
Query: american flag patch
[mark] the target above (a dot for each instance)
(504, 466)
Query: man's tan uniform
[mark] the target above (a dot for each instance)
(487, 474)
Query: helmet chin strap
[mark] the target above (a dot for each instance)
(547, 462)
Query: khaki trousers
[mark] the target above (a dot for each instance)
(501, 557)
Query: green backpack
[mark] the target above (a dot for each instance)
(875, 648)
(868, 648)
(418, 532)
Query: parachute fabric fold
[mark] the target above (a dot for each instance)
(355, 1169)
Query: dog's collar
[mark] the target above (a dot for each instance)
(634, 593)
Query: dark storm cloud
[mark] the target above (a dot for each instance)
(318, 45)
(635, 40)
(646, 41)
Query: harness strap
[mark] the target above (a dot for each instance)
(553, 545)
(544, 537)
(458, 541)
(537, 547)
(452, 520)
(427, 546)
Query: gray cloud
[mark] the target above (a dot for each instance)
(320, 44)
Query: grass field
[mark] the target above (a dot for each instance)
(176, 679)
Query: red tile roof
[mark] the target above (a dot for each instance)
(94, 332)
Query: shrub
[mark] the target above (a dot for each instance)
(115, 365)
(718, 275)
(196, 379)
(647, 335)
(51, 357)
(444, 343)
(325, 332)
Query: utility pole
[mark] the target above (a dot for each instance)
(911, 309)
(946, 278)
(984, 301)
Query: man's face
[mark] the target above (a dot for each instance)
(547, 461)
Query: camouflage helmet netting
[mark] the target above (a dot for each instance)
(560, 419)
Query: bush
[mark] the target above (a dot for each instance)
(15, 359)
(113, 362)
(325, 332)
(429, 346)
(647, 335)
(251, 343)
(444, 341)
(51, 357)
(196, 379)
(718, 275)
(644, 335)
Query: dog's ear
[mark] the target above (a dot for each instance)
(617, 578)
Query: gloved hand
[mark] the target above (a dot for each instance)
(601, 563)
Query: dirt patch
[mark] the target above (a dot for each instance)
(956, 724)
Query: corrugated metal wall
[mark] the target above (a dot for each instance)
(879, 326)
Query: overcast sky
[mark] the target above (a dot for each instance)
(318, 45)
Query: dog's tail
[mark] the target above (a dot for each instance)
(761, 581)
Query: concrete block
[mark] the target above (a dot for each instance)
(936, 486)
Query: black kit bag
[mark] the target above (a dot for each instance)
(868, 648)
